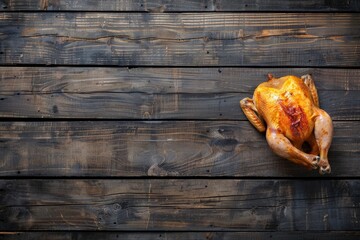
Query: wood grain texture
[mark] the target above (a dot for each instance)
(163, 148)
(186, 39)
(298, 235)
(184, 204)
(199, 170)
(41, 80)
(158, 93)
(180, 6)
(341, 105)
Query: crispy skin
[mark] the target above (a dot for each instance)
(286, 104)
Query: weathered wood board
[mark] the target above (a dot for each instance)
(158, 93)
(185, 204)
(94, 235)
(163, 148)
(49, 80)
(181, 5)
(341, 105)
(180, 39)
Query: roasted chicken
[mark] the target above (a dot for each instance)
(287, 108)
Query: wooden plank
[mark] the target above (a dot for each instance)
(157, 93)
(30, 80)
(180, 6)
(187, 39)
(163, 148)
(341, 105)
(184, 204)
(298, 235)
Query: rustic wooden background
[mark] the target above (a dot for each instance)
(121, 120)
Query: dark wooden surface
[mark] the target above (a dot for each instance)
(93, 235)
(180, 39)
(341, 105)
(183, 204)
(156, 149)
(158, 93)
(50, 80)
(181, 5)
(121, 120)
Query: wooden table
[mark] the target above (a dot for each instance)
(121, 119)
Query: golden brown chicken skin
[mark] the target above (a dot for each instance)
(287, 108)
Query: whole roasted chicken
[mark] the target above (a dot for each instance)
(287, 108)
